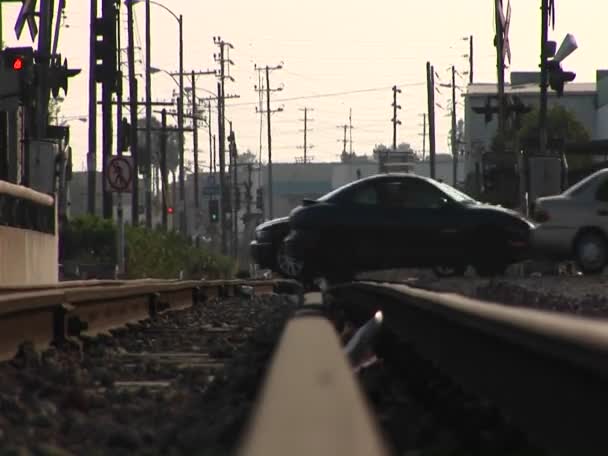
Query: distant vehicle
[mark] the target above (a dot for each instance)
(268, 251)
(574, 224)
(392, 221)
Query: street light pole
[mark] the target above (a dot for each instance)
(180, 126)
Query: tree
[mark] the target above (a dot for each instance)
(172, 144)
(247, 157)
(563, 125)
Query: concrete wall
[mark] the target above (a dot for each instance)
(27, 257)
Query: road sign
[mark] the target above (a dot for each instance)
(209, 190)
(119, 174)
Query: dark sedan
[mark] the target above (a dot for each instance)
(397, 221)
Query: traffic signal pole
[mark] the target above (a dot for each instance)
(107, 88)
(133, 114)
(92, 152)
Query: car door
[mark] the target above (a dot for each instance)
(419, 214)
(599, 212)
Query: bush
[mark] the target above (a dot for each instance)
(149, 252)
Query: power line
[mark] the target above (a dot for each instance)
(332, 94)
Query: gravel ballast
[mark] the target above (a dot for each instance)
(181, 383)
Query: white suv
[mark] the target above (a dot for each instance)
(574, 224)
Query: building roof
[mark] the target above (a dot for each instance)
(573, 88)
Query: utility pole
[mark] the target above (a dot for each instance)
(267, 70)
(222, 59)
(394, 119)
(453, 136)
(305, 130)
(92, 152)
(163, 167)
(148, 165)
(133, 114)
(542, 112)
(195, 141)
(471, 59)
(430, 79)
(235, 191)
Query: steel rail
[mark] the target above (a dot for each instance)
(547, 372)
(43, 315)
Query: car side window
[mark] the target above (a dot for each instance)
(411, 194)
(601, 193)
(366, 195)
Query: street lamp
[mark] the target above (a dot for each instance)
(180, 108)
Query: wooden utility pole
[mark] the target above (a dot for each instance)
(133, 115)
(394, 119)
(430, 78)
(195, 141)
(500, 67)
(471, 59)
(211, 141)
(92, 152)
(107, 89)
(223, 205)
(453, 135)
(269, 112)
(423, 135)
(350, 131)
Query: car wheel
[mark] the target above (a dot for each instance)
(449, 271)
(288, 265)
(590, 252)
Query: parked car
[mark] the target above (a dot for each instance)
(395, 221)
(574, 224)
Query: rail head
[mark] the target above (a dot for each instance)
(311, 402)
(25, 193)
(579, 340)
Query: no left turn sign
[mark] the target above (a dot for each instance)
(119, 175)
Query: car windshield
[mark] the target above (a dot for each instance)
(582, 185)
(457, 195)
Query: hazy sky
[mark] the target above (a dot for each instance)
(328, 48)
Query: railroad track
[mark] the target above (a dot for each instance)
(451, 375)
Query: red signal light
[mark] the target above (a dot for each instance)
(170, 210)
(18, 64)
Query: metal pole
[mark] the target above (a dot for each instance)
(394, 118)
(163, 166)
(431, 106)
(500, 67)
(542, 113)
(148, 171)
(305, 126)
(211, 154)
(106, 120)
(180, 121)
(92, 152)
(120, 146)
(270, 194)
(133, 115)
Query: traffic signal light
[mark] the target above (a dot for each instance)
(58, 76)
(105, 44)
(214, 210)
(558, 77)
(259, 198)
(125, 139)
(170, 210)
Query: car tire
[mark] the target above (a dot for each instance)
(591, 252)
(287, 265)
(449, 271)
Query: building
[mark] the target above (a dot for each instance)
(587, 100)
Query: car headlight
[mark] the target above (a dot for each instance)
(263, 235)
